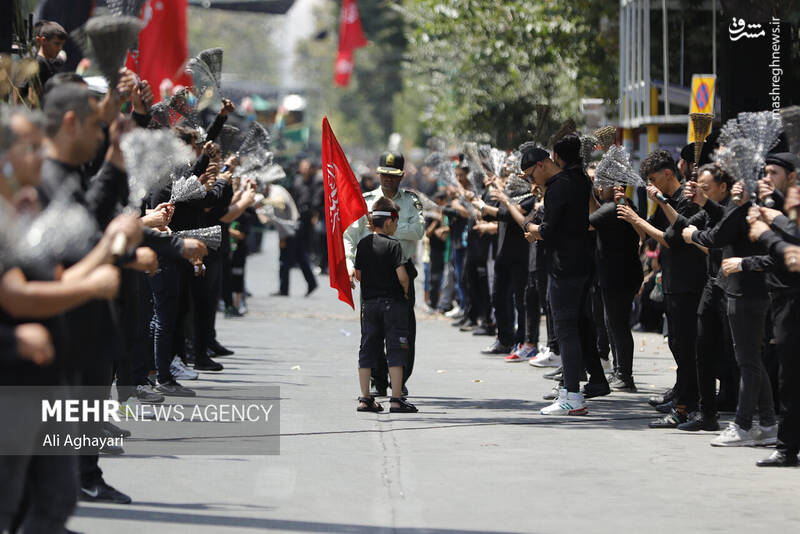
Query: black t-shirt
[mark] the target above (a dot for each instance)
(377, 257)
(617, 249)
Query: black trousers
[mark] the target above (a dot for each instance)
(572, 317)
(380, 374)
(291, 255)
(786, 325)
(714, 350)
(510, 279)
(544, 301)
(204, 290)
(533, 312)
(617, 304)
(49, 487)
(682, 318)
(598, 317)
(477, 277)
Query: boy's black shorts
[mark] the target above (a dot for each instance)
(383, 319)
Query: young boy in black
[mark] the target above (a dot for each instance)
(380, 269)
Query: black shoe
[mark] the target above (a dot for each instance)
(173, 389)
(110, 447)
(655, 400)
(114, 430)
(700, 421)
(497, 348)
(218, 349)
(279, 294)
(469, 326)
(595, 390)
(671, 420)
(460, 321)
(230, 311)
(207, 364)
(102, 492)
(778, 458)
(146, 393)
(665, 407)
(483, 330)
(555, 374)
(311, 289)
(622, 383)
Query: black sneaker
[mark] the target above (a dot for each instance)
(115, 430)
(218, 349)
(102, 492)
(595, 390)
(555, 374)
(622, 383)
(671, 420)
(483, 330)
(146, 393)
(207, 364)
(469, 326)
(779, 458)
(497, 348)
(700, 421)
(109, 447)
(655, 400)
(665, 407)
(173, 389)
(461, 321)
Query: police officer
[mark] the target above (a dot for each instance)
(410, 229)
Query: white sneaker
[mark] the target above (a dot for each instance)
(180, 372)
(567, 404)
(543, 352)
(455, 311)
(733, 436)
(765, 435)
(551, 359)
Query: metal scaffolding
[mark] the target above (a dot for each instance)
(637, 105)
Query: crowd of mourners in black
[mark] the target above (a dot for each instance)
(712, 264)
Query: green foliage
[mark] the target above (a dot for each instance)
(245, 38)
(363, 114)
(491, 67)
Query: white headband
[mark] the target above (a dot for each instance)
(384, 214)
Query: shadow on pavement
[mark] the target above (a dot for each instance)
(133, 514)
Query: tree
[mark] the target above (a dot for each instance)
(508, 69)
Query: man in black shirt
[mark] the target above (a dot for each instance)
(565, 235)
(683, 278)
(381, 271)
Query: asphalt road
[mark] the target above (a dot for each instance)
(478, 457)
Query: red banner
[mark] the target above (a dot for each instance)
(344, 205)
(351, 36)
(162, 45)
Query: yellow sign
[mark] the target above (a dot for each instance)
(703, 92)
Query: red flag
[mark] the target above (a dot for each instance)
(351, 36)
(343, 68)
(162, 45)
(344, 205)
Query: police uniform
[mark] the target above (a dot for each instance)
(410, 229)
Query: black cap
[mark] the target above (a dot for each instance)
(687, 153)
(533, 156)
(391, 163)
(787, 160)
